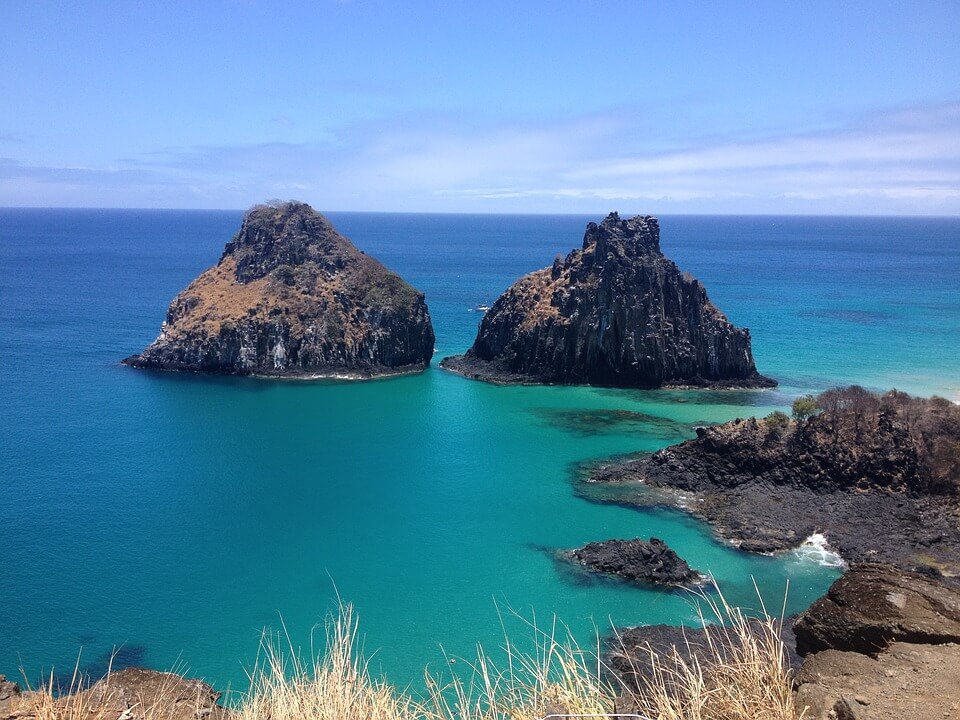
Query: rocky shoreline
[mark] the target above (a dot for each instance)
(877, 479)
(876, 474)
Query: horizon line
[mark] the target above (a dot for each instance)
(485, 213)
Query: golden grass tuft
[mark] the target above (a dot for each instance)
(741, 673)
(332, 685)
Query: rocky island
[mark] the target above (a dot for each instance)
(615, 312)
(291, 297)
(637, 561)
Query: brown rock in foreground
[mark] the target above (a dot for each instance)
(873, 606)
(907, 682)
(616, 312)
(880, 645)
(292, 297)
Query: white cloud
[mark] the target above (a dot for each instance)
(904, 160)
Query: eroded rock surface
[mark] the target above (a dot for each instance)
(881, 645)
(636, 561)
(128, 694)
(292, 297)
(872, 606)
(617, 313)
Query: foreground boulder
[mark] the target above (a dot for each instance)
(873, 606)
(636, 561)
(907, 682)
(617, 313)
(882, 644)
(292, 297)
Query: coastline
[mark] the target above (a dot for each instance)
(347, 375)
(856, 480)
(493, 373)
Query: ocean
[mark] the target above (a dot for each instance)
(175, 517)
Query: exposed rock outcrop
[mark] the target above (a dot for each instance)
(292, 297)
(636, 561)
(878, 475)
(908, 681)
(873, 606)
(630, 652)
(880, 645)
(617, 313)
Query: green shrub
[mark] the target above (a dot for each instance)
(804, 407)
(777, 420)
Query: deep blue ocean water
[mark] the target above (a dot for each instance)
(176, 516)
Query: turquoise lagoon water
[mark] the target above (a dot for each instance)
(177, 516)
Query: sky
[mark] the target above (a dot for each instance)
(496, 106)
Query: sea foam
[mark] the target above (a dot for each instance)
(817, 549)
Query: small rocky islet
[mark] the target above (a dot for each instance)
(616, 312)
(291, 297)
(636, 561)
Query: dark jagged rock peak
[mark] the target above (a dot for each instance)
(617, 313)
(292, 297)
(637, 561)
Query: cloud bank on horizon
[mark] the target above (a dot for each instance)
(384, 138)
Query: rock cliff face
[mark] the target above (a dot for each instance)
(292, 297)
(616, 312)
(875, 605)
(880, 645)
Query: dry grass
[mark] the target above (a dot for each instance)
(741, 672)
(743, 675)
(332, 685)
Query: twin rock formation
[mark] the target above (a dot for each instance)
(292, 297)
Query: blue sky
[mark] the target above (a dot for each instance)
(567, 106)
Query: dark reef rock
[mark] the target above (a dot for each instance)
(616, 313)
(873, 606)
(637, 561)
(628, 651)
(292, 297)
(878, 475)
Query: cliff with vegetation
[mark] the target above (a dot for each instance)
(878, 475)
(616, 312)
(292, 297)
